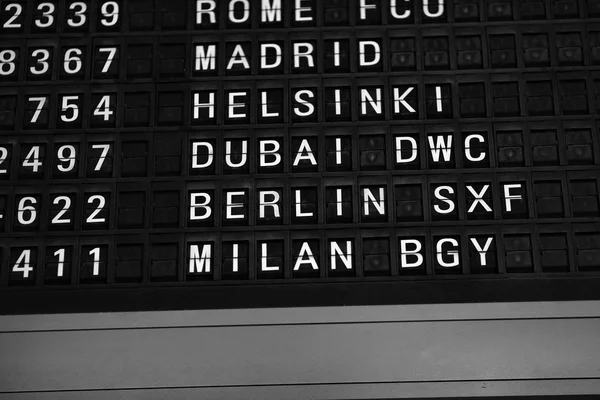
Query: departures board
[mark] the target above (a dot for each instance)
(173, 154)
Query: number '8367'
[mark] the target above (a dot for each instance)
(72, 62)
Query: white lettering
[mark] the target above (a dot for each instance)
(468, 154)
(305, 251)
(238, 57)
(245, 15)
(478, 198)
(414, 153)
(210, 105)
(210, 10)
(229, 153)
(206, 59)
(438, 195)
(405, 253)
(265, 106)
(230, 205)
(264, 153)
(453, 253)
(195, 151)
(307, 53)
(439, 144)
(365, 97)
(378, 204)
(401, 100)
(233, 104)
(236, 257)
(363, 53)
(270, 11)
(263, 55)
(200, 262)
(363, 8)
(436, 14)
(482, 251)
(305, 153)
(299, 213)
(263, 203)
(336, 54)
(264, 258)
(310, 108)
(508, 197)
(299, 10)
(338, 102)
(195, 205)
(336, 251)
(394, 10)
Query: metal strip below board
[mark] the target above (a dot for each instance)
(298, 316)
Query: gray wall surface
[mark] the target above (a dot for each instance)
(329, 353)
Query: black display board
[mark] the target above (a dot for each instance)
(173, 154)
